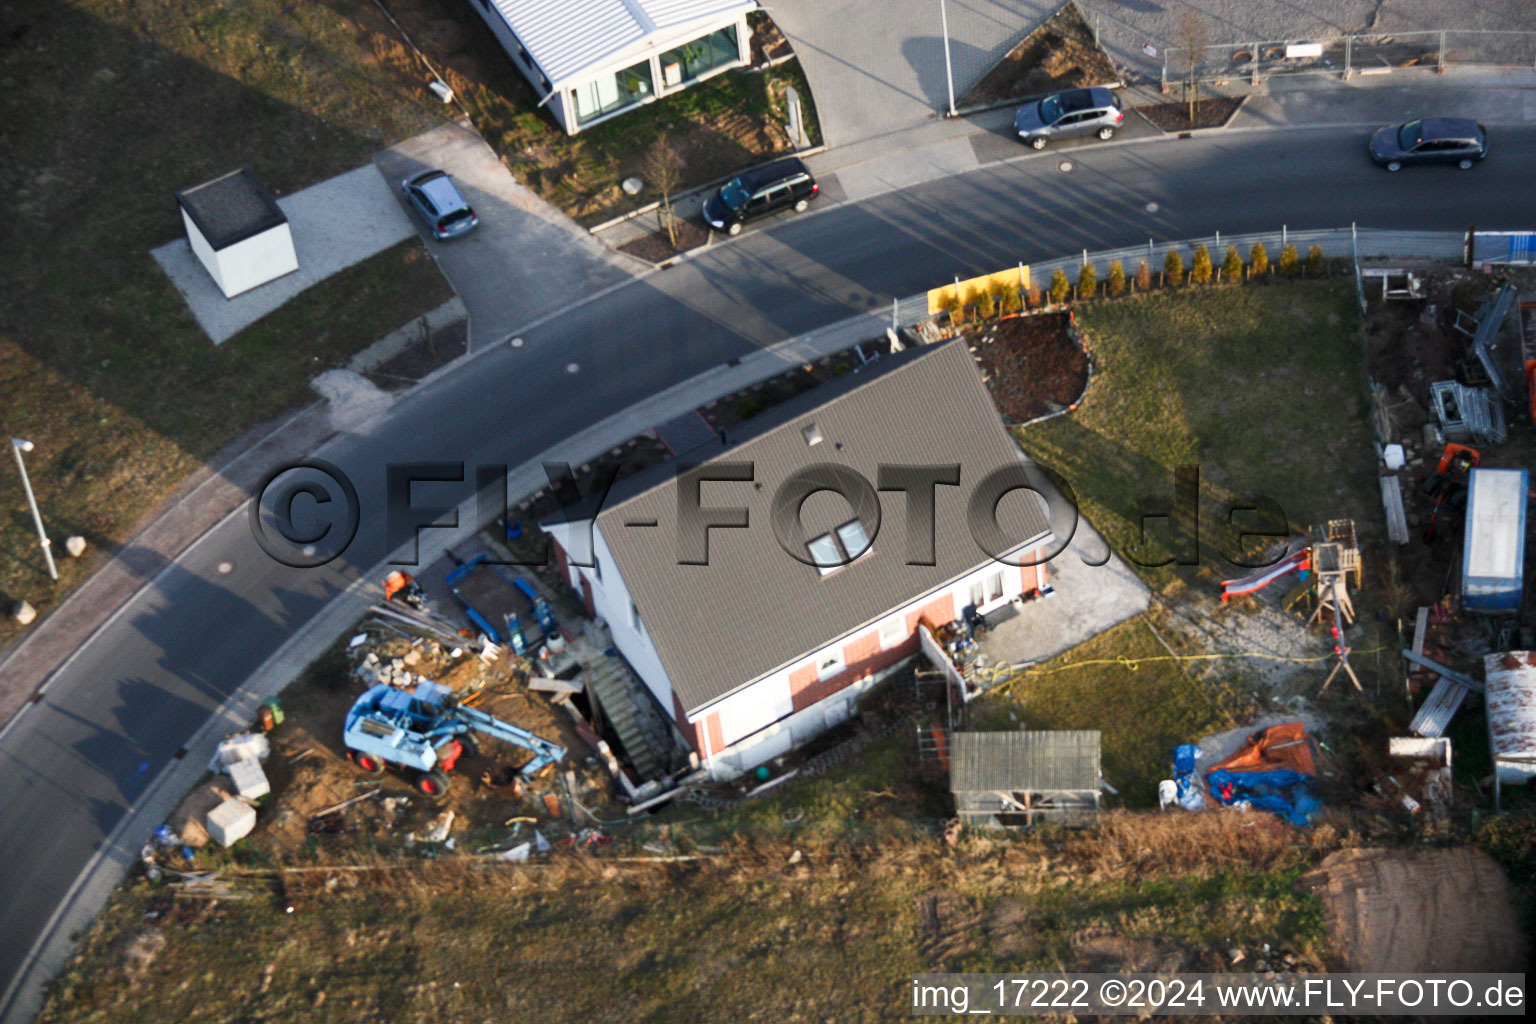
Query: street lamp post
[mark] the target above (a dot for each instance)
(17, 447)
(949, 71)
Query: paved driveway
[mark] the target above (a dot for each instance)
(877, 67)
(525, 259)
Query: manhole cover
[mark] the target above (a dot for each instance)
(572, 367)
(1065, 166)
(515, 342)
(225, 568)
(1152, 207)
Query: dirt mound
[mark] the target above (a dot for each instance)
(1419, 910)
(952, 927)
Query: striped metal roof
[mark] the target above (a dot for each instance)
(754, 609)
(1510, 700)
(568, 37)
(1019, 761)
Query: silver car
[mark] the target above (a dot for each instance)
(1065, 115)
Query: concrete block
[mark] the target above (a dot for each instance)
(250, 781)
(231, 821)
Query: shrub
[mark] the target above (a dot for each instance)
(841, 368)
(1087, 281)
(1060, 287)
(1143, 277)
(949, 303)
(1173, 269)
(1115, 286)
(1232, 266)
(1290, 262)
(747, 408)
(1315, 260)
(1200, 269)
(1007, 299)
(1258, 259)
(986, 308)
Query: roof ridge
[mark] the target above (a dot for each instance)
(849, 390)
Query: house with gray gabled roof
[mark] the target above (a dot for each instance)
(591, 60)
(757, 589)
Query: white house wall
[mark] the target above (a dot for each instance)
(651, 46)
(255, 261)
(763, 713)
(611, 602)
(204, 252)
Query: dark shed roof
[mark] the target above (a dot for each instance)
(1018, 761)
(753, 609)
(231, 208)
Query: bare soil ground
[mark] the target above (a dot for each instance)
(656, 247)
(1409, 911)
(739, 406)
(1060, 54)
(1033, 365)
(438, 349)
(1174, 117)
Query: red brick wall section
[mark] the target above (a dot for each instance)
(801, 682)
(690, 732)
(561, 562)
(863, 657)
(937, 612)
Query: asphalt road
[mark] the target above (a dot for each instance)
(134, 696)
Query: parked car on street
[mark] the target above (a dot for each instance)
(437, 201)
(759, 192)
(1431, 140)
(1069, 114)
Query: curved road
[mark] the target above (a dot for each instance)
(124, 706)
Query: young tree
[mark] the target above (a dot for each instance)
(1173, 269)
(1200, 269)
(1087, 281)
(949, 302)
(1290, 261)
(663, 166)
(986, 307)
(1258, 259)
(1006, 298)
(1232, 266)
(1315, 260)
(1060, 287)
(1143, 277)
(1115, 286)
(1192, 41)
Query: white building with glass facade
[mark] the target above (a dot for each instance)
(594, 59)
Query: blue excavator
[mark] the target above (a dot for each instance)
(426, 730)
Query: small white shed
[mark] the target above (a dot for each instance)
(238, 231)
(1510, 699)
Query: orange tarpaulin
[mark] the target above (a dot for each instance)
(1279, 746)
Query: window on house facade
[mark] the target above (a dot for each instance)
(608, 93)
(597, 567)
(995, 586)
(893, 632)
(824, 553)
(855, 541)
(830, 664)
(699, 57)
(978, 594)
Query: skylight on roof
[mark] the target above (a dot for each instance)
(812, 434)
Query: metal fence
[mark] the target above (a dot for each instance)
(1377, 54)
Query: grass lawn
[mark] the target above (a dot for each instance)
(103, 366)
(1259, 386)
(721, 126)
(740, 936)
(1144, 707)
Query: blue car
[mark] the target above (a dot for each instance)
(436, 199)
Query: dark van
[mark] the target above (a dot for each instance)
(760, 191)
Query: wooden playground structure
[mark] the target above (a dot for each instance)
(1325, 566)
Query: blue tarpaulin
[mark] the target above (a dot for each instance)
(1281, 791)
